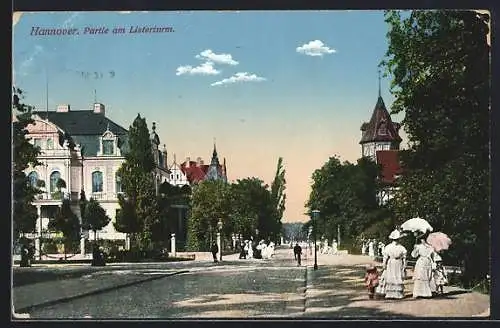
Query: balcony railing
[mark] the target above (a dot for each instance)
(104, 196)
(53, 196)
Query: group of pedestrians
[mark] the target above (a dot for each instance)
(429, 275)
(372, 247)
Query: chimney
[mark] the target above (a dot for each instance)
(188, 162)
(63, 108)
(199, 161)
(99, 109)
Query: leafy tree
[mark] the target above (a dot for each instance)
(439, 64)
(345, 195)
(95, 217)
(252, 208)
(139, 214)
(24, 156)
(67, 223)
(210, 201)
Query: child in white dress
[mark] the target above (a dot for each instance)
(440, 277)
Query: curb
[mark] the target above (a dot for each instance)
(27, 309)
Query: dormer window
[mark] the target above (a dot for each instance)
(382, 130)
(108, 147)
(50, 144)
(108, 144)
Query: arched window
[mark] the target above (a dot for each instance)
(118, 183)
(97, 181)
(54, 177)
(50, 144)
(33, 178)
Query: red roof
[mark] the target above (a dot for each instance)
(195, 172)
(389, 160)
(381, 127)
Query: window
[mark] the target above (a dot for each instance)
(382, 130)
(172, 176)
(33, 178)
(177, 177)
(108, 147)
(50, 144)
(54, 177)
(118, 183)
(97, 181)
(37, 143)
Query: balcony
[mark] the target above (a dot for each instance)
(102, 196)
(56, 196)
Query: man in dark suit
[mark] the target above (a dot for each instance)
(297, 251)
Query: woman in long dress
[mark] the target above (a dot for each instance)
(422, 273)
(394, 267)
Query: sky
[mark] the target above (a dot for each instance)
(263, 84)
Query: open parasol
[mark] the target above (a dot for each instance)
(416, 224)
(439, 241)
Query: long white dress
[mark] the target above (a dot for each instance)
(395, 263)
(422, 274)
(371, 249)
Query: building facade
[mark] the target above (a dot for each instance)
(81, 150)
(380, 141)
(197, 171)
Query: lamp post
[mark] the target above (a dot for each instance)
(219, 243)
(315, 214)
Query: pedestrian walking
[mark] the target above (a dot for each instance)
(439, 275)
(214, 249)
(297, 251)
(371, 248)
(422, 273)
(371, 280)
(394, 267)
(243, 252)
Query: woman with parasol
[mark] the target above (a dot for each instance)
(422, 274)
(394, 266)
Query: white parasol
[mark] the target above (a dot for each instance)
(416, 224)
(439, 241)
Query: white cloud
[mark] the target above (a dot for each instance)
(315, 48)
(209, 55)
(240, 77)
(204, 69)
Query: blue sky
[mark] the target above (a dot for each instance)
(302, 107)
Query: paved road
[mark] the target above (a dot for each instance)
(234, 288)
(241, 289)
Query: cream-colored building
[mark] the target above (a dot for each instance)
(85, 149)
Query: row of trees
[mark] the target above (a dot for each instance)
(248, 207)
(439, 64)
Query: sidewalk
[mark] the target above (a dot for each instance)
(337, 289)
(55, 291)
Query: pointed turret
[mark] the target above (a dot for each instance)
(380, 133)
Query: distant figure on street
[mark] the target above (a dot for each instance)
(371, 248)
(297, 251)
(25, 256)
(363, 248)
(243, 252)
(335, 247)
(214, 249)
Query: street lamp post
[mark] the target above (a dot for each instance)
(315, 214)
(219, 242)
